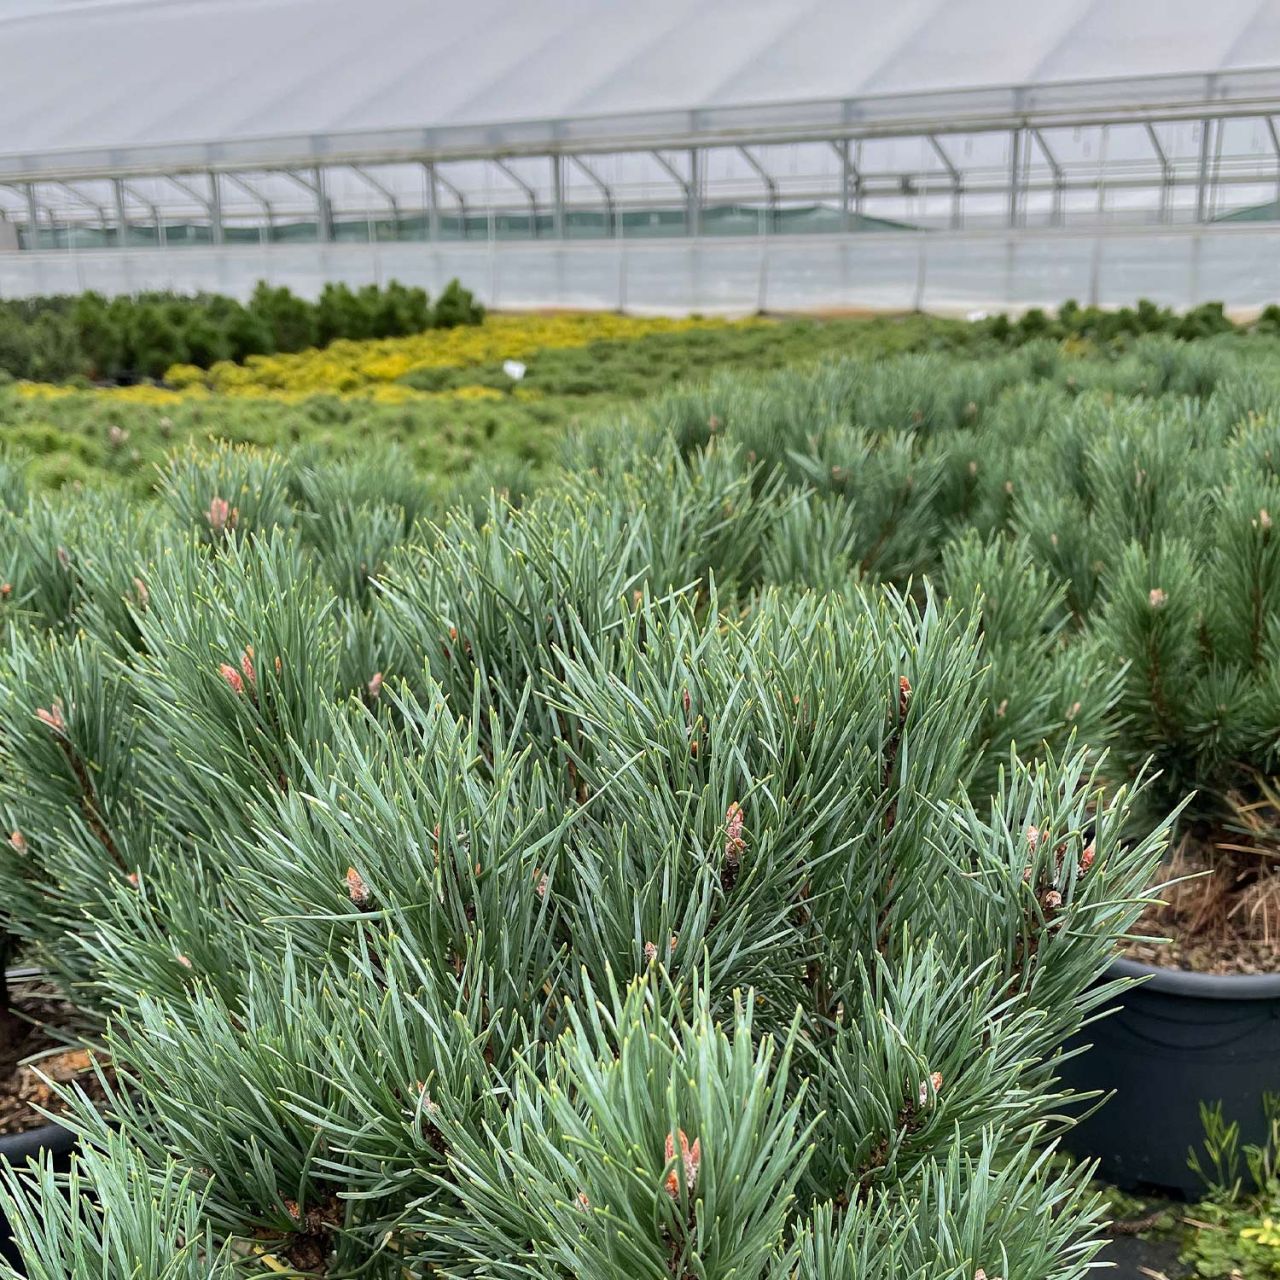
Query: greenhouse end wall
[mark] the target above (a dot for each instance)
(937, 271)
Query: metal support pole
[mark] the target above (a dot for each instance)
(686, 185)
(89, 202)
(957, 182)
(530, 194)
(215, 209)
(212, 207)
(1202, 173)
(1056, 216)
(32, 223)
(33, 216)
(846, 180)
(850, 153)
(1015, 155)
(557, 197)
(324, 211)
(1166, 171)
(433, 203)
(384, 191)
(610, 212)
(1275, 143)
(265, 232)
(151, 208)
(1102, 172)
(693, 211)
(122, 215)
(770, 186)
(1215, 187)
(316, 185)
(437, 179)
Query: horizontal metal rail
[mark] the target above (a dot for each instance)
(1095, 102)
(1180, 186)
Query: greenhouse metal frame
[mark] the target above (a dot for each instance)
(1160, 150)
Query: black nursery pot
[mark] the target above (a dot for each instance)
(16, 1149)
(1177, 1040)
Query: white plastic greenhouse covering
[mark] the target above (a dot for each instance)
(1010, 152)
(126, 77)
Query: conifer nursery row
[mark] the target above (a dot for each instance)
(692, 867)
(132, 337)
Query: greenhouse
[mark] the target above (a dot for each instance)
(474, 131)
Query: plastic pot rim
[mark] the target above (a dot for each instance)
(18, 1147)
(1199, 986)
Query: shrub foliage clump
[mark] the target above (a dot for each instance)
(613, 886)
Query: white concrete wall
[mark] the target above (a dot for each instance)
(936, 271)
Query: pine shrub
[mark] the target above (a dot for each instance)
(564, 893)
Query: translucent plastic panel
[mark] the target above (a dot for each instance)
(241, 77)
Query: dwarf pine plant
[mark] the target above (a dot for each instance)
(569, 891)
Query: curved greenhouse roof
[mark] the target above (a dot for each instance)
(131, 85)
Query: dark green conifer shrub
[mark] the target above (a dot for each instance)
(57, 338)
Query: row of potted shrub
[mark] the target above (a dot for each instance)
(129, 337)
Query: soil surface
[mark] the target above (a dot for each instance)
(1220, 910)
(1199, 955)
(35, 1027)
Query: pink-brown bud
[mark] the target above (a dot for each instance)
(356, 888)
(1156, 598)
(18, 842)
(232, 677)
(219, 516)
(690, 1158)
(734, 842)
(52, 716)
(935, 1079)
(375, 685)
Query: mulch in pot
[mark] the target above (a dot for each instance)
(37, 1040)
